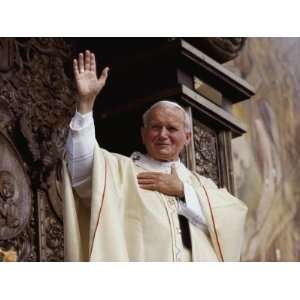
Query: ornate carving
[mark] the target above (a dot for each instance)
(41, 96)
(221, 49)
(38, 96)
(7, 56)
(24, 244)
(15, 196)
(205, 143)
(52, 240)
(17, 217)
(9, 198)
(54, 191)
(6, 120)
(226, 48)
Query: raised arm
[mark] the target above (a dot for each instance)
(81, 138)
(88, 85)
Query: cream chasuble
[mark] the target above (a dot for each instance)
(110, 218)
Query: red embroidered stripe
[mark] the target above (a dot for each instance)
(212, 215)
(102, 200)
(213, 219)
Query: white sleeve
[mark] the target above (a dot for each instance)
(192, 202)
(80, 147)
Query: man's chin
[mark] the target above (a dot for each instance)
(163, 157)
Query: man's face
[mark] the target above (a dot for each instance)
(164, 136)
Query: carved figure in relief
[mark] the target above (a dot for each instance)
(148, 207)
(8, 202)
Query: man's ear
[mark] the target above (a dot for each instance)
(188, 136)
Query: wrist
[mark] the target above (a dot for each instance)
(85, 107)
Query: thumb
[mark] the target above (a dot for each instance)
(104, 74)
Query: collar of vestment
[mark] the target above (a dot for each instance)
(146, 162)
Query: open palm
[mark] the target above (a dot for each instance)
(88, 85)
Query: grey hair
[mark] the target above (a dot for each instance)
(169, 104)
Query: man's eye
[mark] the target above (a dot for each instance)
(172, 129)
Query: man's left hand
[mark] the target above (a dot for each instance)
(168, 184)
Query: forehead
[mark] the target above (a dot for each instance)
(166, 114)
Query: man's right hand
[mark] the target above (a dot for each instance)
(88, 85)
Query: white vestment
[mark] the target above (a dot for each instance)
(108, 217)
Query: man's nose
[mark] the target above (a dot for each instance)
(163, 132)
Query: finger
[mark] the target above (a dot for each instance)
(148, 187)
(148, 177)
(81, 63)
(152, 174)
(104, 75)
(75, 68)
(146, 181)
(87, 61)
(93, 63)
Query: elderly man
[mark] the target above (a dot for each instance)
(146, 207)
